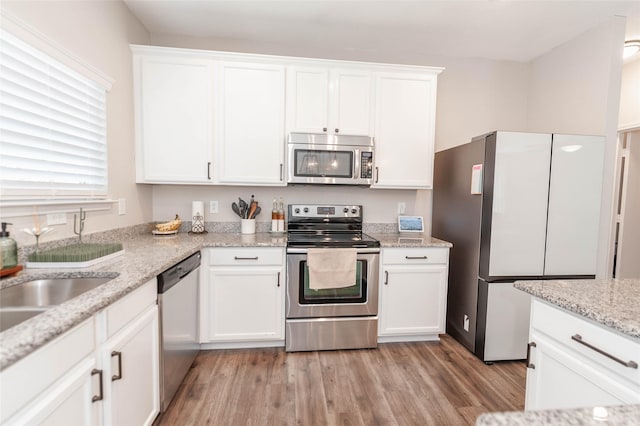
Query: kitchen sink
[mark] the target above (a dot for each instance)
(23, 301)
(14, 316)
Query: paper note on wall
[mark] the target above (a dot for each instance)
(476, 179)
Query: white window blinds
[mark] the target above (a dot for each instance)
(52, 127)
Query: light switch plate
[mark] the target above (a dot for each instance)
(213, 207)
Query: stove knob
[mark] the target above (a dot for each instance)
(306, 210)
(345, 210)
(297, 210)
(354, 211)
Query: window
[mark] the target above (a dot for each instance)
(52, 128)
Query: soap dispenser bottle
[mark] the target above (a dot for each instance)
(9, 248)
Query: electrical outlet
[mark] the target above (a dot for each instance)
(213, 207)
(122, 206)
(402, 207)
(56, 219)
(466, 323)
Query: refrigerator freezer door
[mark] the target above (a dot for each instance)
(519, 206)
(575, 192)
(503, 316)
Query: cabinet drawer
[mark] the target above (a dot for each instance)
(565, 327)
(35, 373)
(125, 310)
(246, 256)
(414, 256)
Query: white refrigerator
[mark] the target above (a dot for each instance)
(515, 206)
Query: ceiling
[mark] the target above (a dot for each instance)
(493, 29)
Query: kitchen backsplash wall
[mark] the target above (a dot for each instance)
(380, 205)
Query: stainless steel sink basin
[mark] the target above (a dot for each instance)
(14, 316)
(23, 301)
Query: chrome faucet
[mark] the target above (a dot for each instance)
(77, 229)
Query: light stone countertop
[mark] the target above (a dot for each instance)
(612, 303)
(622, 415)
(144, 258)
(408, 240)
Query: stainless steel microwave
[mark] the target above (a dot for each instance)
(318, 158)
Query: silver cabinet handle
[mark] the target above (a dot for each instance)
(377, 174)
(119, 375)
(278, 279)
(630, 364)
(100, 396)
(416, 257)
(209, 170)
(337, 130)
(245, 258)
(386, 277)
(281, 172)
(529, 346)
(324, 129)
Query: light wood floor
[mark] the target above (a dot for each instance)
(424, 383)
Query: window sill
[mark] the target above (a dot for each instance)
(19, 208)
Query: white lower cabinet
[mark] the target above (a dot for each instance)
(413, 293)
(564, 373)
(74, 380)
(242, 302)
(131, 374)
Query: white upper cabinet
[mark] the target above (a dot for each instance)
(173, 112)
(404, 129)
(329, 100)
(250, 123)
(206, 117)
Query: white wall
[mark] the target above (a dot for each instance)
(99, 34)
(630, 96)
(575, 88)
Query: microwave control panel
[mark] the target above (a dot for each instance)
(366, 165)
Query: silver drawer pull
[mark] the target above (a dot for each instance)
(245, 258)
(529, 346)
(416, 257)
(119, 375)
(100, 395)
(630, 364)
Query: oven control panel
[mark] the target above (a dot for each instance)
(324, 211)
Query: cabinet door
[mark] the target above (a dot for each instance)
(562, 379)
(350, 102)
(132, 372)
(404, 130)
(245, 304)
(251, 124)
(68, 402)
(413, 300)
(575, 193)
(174, 114)
(307, 99)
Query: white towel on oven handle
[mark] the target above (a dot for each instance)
(331, 267)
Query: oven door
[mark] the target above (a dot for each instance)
(361, 299)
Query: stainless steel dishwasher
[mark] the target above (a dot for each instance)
(178, 305)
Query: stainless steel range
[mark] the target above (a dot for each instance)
(332, 279)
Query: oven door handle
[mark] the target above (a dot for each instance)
(291, 250)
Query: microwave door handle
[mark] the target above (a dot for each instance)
(355, 164)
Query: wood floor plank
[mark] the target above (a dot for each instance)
(417, 383)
